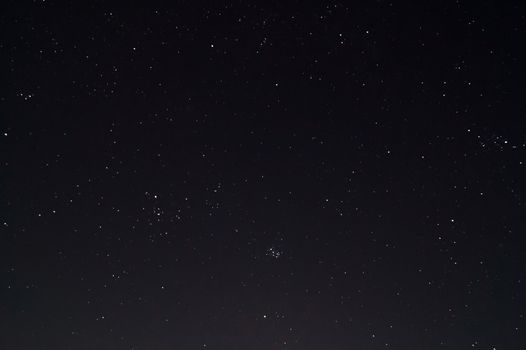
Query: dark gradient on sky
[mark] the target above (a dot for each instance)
(263, 175)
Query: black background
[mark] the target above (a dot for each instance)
(262, 175)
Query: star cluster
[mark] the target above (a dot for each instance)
(262, 175)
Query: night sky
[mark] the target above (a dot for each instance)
(263, 175)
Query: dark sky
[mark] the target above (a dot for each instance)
(262, 175)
